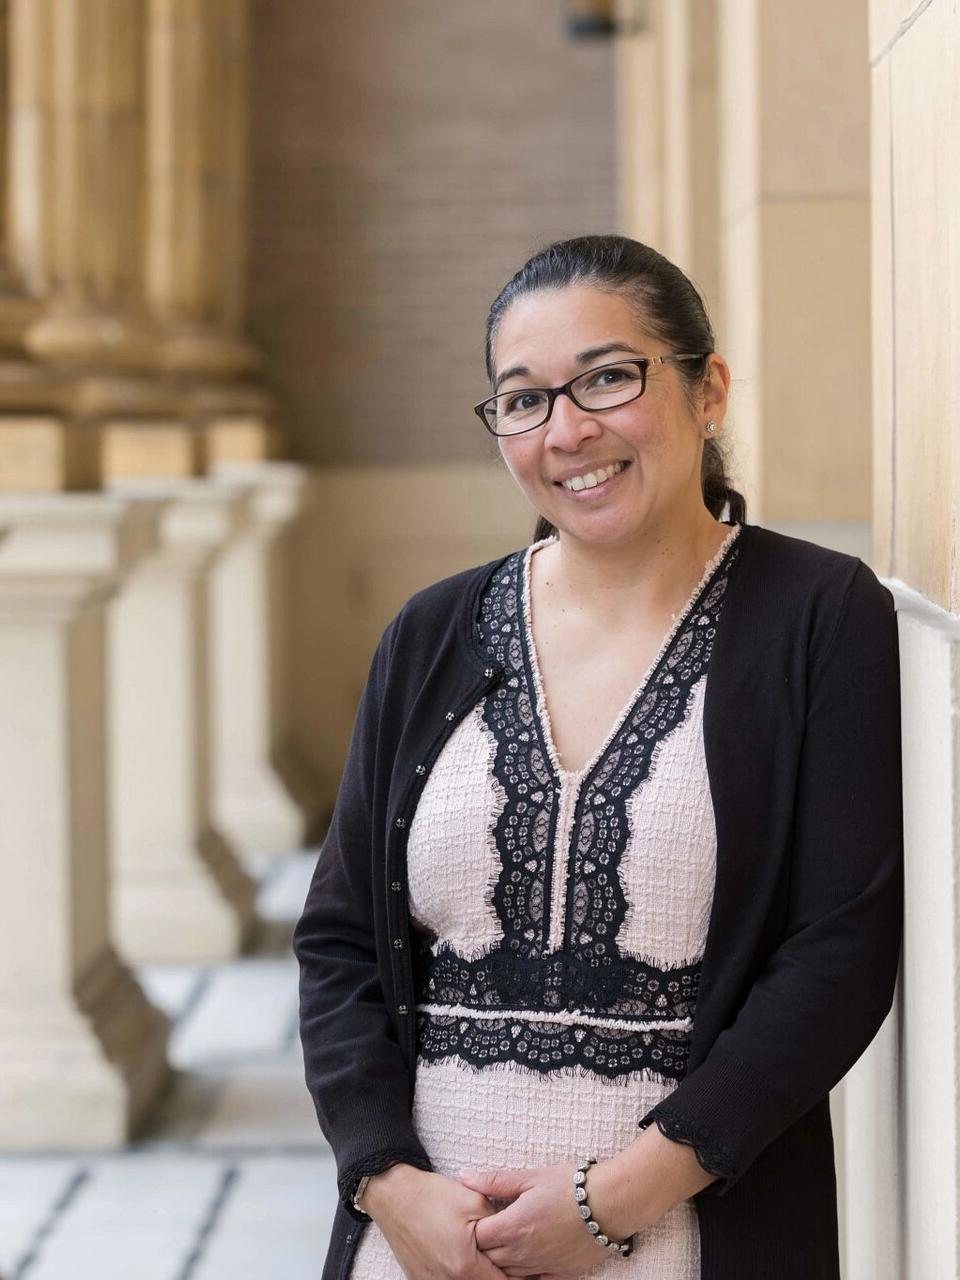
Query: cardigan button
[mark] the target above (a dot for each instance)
(398, 943)
(395, 886)
(349, 1238)
(421, 769)
(402, 1009)
(488, 672)
(450, 715)
(401, 822)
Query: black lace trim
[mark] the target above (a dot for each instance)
(349, 1178)
(626, 988)
(596, 905)
(524, 831)
(712, 1156)
(621, 987)
(552, 1046)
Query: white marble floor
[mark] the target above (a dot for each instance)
(234, 1180)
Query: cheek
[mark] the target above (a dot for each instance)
(522, 460)
(657, 436)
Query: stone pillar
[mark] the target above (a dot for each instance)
(639, 74)
(16, 309)
(179, 890)
(77, 173)
(906, 1171)
(83, 1051)
(127, 213)
(196, 208)
(915, 72)
(794, 262)
(690, 141)
(669, 132)
(910, 1172)
(252, 805)
(869, 1148)
(196, 182)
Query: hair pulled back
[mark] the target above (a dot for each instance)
(667, 305)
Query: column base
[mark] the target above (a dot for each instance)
(86, 1075)
(202, 909)
(263, 819)
(199, 351)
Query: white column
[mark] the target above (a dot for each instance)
(794, 263)
(253, 807)
(83, 1051)
(928, 1157)
(870, 1144)
(180, 892)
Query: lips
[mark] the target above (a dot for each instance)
(583, 491)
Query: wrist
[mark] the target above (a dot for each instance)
(614, 1201)
(388, 1185)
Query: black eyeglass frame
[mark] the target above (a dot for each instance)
(642, 363)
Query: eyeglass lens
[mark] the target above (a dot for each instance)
(602, 388)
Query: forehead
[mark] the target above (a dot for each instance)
(561, 322)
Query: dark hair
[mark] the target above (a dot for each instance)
(669, 307)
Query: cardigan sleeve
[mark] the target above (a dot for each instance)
(354, 1067)
(827, 987)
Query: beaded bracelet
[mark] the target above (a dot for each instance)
(623, 1248)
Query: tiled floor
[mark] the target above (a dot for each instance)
(234, 1180)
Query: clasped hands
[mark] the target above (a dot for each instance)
(540, 1232)
(439, 1232)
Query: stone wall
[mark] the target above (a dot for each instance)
(407, 158)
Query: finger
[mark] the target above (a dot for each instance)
(486, 1269)
(496, 1182)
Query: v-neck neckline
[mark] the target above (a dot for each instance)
(576, 777)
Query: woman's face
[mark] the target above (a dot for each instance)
(556, 334)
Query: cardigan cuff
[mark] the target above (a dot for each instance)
(711, 1155)
(725, 1112)
(349, 1179)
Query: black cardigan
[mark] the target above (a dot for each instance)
(802, 746)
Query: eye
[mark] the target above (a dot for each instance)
(522, 401)
(614, 375)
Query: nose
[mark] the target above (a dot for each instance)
(568, 425)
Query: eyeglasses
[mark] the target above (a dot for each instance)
(605, 387)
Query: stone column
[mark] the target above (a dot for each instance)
(16, 309)
(869, 1150)
(669, 132)
(127, 213)
(253, 806)
(639, 121)
(179, 890)
(197, 86)
(77, 175)
(83, 1051)
(196, 182)
(909, 1161)
(691, 135)
(794, 262)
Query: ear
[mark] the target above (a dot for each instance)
(716, 387)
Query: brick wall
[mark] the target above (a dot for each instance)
(407, 158)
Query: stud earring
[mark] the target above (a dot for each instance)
(711, 426)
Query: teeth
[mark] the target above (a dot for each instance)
(593, 478)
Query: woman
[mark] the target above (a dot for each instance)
(611, 895)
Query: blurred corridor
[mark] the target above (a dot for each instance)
(232, 1180)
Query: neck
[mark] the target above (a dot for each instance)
(654, 573)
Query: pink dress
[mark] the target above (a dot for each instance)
(563, 916)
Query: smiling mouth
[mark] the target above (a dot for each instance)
(592, 479)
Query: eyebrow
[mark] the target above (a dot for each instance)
(585, 357)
